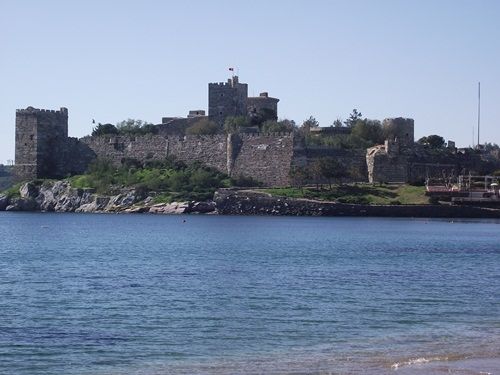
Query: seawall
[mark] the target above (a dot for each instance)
(247, 202)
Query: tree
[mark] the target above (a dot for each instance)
(488, 147)
(203, 127)
(332, 169)
(103, 129)
(262, 115)
(368, 131)
(234, 124)
(353, 118)
(315, 172)
(338, 123)
(433, 141)
(299, 176)
(135, 127)
(311, 122)
(282, 126)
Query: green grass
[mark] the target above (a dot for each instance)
(171, 180)
(358, 194)
(13, 191)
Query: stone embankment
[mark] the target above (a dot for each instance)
(246, 202)
(59, 196)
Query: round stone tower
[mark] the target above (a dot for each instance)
(400, 129)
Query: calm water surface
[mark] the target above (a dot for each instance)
(126, 294)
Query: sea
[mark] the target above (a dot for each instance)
(107, 294)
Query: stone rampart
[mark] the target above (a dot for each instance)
(265, 158)
(268, 158)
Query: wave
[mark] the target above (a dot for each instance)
(419, 361)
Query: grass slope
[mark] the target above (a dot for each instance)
(359, 194)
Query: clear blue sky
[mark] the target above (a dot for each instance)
(112, 60)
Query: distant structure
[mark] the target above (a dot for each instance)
(230, 98)
(401, 130)
(225, 99)
(44, 150)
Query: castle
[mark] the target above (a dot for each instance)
(44, 150)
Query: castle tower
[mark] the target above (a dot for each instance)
(263, 104)
(227, 99)
(41, 136)
(400, 129)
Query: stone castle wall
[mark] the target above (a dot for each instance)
(44, 150)
(353, 160)
(266, 158)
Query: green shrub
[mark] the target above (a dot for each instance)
(13, 191)
(203, 127)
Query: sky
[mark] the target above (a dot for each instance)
(113, 60)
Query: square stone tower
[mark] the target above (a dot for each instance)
(227, 99)
(41, 138)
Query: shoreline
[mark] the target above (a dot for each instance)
(248, 202)
(61, 197)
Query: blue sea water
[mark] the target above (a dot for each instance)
(142, 294)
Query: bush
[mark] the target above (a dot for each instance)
(203, 127)
(236, 124)
(13, 192)
(169, 177)
(243, 181)
(104, 129)
(136, 127)
(282, 126)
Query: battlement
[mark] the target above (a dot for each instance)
(257, 135)
(231, 82)
(220, 84)
(130, 139)
(31, 110)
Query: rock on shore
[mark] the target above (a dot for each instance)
(60, 196)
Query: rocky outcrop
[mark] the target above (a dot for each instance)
(21, 204)
(4, 202)
(60, 196)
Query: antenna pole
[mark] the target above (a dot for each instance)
(478, 111)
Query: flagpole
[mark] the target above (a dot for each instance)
(478, 111)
